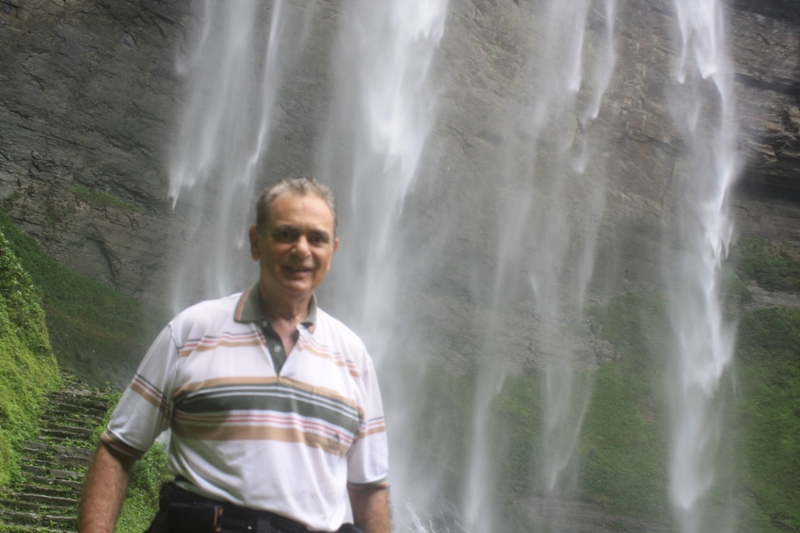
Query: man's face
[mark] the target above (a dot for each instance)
(296, 247)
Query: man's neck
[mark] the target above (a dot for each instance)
(281, 309)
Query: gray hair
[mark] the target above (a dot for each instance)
(300, 186)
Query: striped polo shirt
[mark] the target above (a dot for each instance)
(286, 441)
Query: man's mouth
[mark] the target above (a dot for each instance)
(294, 269)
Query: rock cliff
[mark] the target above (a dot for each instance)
(89, 96)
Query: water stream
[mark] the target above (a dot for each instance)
(704, 337)
(374, 141)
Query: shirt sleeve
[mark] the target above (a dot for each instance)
(144, 410)
(368, 458)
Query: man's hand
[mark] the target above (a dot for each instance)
(104, 491)
(371, 509)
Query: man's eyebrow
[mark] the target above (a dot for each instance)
(320, 233)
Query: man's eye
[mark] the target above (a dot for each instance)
(285, 235)
(317, 238)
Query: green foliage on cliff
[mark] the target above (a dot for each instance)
(768, 381)
(96, 331)
(100, 198)
(141, 503)
(28, 369)
(149, 472)
(624, 443)
(622, 456)
(774, 265)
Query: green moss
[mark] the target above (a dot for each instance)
(147, 476)
(141, 504)
(769, 388)
(96, 331)
(101, 199)
(622, 457)
(774, 265)
(28, 369)
(443, 432)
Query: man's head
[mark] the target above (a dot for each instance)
(294, 238)
(299, 186)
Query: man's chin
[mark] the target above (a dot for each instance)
(297, 287)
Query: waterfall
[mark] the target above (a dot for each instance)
(372, 93)
(233, 74)
(704, 336)
(381, 113)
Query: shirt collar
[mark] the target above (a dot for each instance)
(249, 308)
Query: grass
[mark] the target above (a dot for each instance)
(28, 369)
(774, 265)
(769, 385)
(141, 504)
(102, 199)
(93, 328)
(149, 472)
(623, 444)
(96, 332)
(622, 457)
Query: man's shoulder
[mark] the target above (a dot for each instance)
(203, 315)
(336, 329)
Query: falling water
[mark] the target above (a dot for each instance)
(704, 109)
(382, 110)
(233, 74)
(547, 212)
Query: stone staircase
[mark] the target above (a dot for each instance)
(54, 464)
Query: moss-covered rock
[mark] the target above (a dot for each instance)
(28, 369)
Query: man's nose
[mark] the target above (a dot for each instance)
(302, 246)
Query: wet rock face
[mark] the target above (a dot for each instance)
(89, 93)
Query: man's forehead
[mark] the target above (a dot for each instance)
(291, 208)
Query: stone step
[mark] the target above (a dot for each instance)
(49, 463)
(34, 470)
(34, 502)
(65, 410)
(68, 432)
(74, 400)
(8, 527)
(53, 466)
(76, 486)
(65, 456)
(26, 521)
(78, 418)
(59, 491)
(37, 447)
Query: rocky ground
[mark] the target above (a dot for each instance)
(54, 465)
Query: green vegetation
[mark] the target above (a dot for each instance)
(774, 265)
(96, 331)
(28, 369)
(624, 448)
(623, 451)
(768, 373)
(100, 198)
(621, 460)
(141, 503)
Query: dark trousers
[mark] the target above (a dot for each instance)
(182, 511)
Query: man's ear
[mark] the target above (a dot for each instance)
(335, 243)
(253, 233)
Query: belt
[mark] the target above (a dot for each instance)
(183, 508)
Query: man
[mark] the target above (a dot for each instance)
(261, 441)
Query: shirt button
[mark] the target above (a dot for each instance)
(277, 348)
(263, 323)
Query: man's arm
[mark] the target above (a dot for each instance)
(104, 491)
(371, 509)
